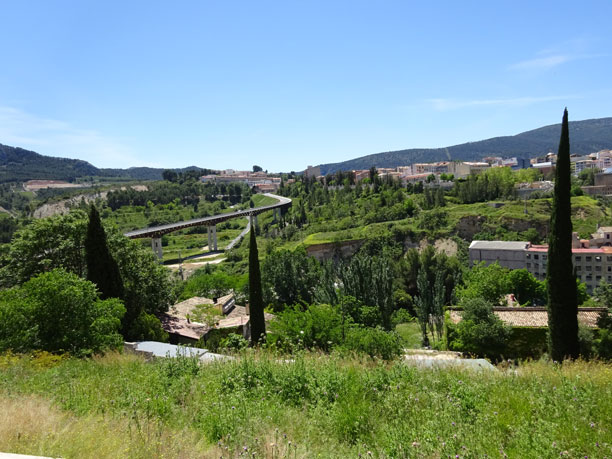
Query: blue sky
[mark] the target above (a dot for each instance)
(229, 84)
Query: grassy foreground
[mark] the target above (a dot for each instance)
(314, 406)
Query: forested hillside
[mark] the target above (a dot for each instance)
(587, 137)
(20, 165)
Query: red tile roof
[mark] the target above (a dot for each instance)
(534, 316)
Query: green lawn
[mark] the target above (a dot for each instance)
(411, 334)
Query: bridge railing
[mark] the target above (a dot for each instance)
(158, 231)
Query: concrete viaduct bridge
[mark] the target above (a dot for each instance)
(156, 232)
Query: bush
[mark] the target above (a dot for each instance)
(401, 316)
(319, 326)
(526, 342)
(59, 312)
(585, 340)
(603, 345)
(374, 342)
(480, 331)
(147, 327)
(234, 342)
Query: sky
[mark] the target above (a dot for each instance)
(286, 84)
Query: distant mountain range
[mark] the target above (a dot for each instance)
(586, 137)
(19, 165)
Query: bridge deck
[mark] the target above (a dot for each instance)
(158, 231)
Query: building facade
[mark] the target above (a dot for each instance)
(591, 264)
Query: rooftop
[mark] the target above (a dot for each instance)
(499, 245)
(534, 317)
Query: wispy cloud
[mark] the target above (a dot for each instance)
(59, 138)
(442, 104)
(542, 63)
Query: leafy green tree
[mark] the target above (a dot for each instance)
(432, 262)
(290, 277)
(430, 305)
(487, 282)
(562, 296)
(370, 281)
(63, 314)
(480, 331)
(256, 307)
(45, 244)
(527, 289)
(59, 242)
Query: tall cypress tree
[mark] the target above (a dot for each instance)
(562, 293)
(102, 268)
(256, 307)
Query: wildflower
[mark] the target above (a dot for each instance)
(592, 425)
(233, 407)
(415, 444)
(453, 423)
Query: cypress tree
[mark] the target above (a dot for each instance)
(562, 292)
(258, 324)
(102, 268)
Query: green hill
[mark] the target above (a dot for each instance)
(20, 165)
(586, 137)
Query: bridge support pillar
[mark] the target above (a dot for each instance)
(212, 238)
(156, 245)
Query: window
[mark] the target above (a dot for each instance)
(608, 258)
(607, 236)
(589, 258)
(578, 258)
(536, 256)
(544, 257)
(589, 277)
(609, 269)
(589, 268)
(609, 278)
(578, 268)
(597, 258)
(529, 265)
(528, 256)
(597, 268)
(598, 278)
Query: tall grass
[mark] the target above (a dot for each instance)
(312, 406)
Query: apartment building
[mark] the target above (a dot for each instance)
(592, 264)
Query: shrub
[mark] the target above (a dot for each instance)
(147, 327)
(401, 316)
(234, 342)
(319, 326)
(603, 345)
(59, 312)
(480, 331)
(374, 342)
